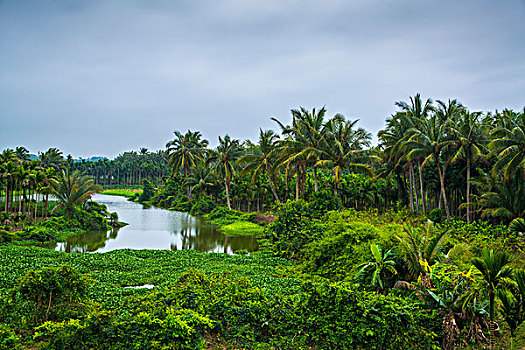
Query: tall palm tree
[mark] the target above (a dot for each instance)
(508, 145)
(73, 190)
(494, 270)
(22, 153)
(411, 116)
(343, 148)
(469, 144)
(224, 157)
(53, 157)
(184, 151)
(430, 141)
(263, 158)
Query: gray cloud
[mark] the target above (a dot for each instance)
(101, 77)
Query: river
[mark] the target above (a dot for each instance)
(155, 228)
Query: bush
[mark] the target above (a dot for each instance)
(293, 228)
(53, 293)
(8, 338)
(324, 201)
(40, 234)
(436, 215)
(6, 236)
(148, 191)
(203, 205)
(175, 329)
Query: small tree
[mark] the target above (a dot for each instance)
(148, 191)
(513, 304)
(381, 264)
(494, 270)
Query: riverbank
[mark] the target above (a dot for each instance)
(230, 222)
(128, 193)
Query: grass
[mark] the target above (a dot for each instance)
(128, 193)
(242, 228)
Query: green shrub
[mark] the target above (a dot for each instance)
(148, 191)
(40, 234)
(8, 338)
(203, 205)
(6, 236)
(325, 200)
(436, 215)
(53, 293)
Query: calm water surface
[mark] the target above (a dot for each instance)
(155, 228)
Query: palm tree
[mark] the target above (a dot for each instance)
(419, 245)
(201, 179)
(184, 151)
(53, 157)
(22, 153)
(508, 144)
(262, 158)
(494, 270)
(430, 141)
(73, 190)
(513, 304)
(225, 156)
(411, 116)
(381, 264)
(342, 148)
(501, 199)
(469, 144)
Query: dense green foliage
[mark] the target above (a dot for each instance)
(238, 299)
(403, 245)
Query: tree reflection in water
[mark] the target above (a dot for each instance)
(155, 228)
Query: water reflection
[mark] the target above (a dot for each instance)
(154, 228)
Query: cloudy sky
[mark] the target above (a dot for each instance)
(103, 77)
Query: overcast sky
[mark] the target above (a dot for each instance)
(103, 77)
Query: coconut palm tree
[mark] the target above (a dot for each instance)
(262, 158)
(342, 148)
(224, 158)
(430, 141)
(508, 145)
(411, 116)
(469, 144)
(73, 189)
(185, 151)
(53, 157)
(495, 272)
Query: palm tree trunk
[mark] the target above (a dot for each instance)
(303, 178)
(226, 183)
(411, 193)
(443, 193)
(315, 179)
(414, 182)
(47, 202)
(421, 186)
(297, 182)
(272, 185)
(468, 188)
